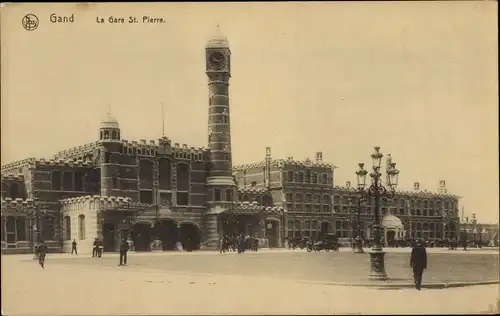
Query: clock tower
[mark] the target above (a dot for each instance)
(221, 187)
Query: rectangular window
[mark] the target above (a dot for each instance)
(14, 191)
(254, 183)
(107, 157)
(217, 195)
(182, 198)
(146, 196)
(165, 198)
(67, 181)
(78, 181)
(21, 228)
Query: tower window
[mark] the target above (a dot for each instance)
(113, 135)
(226, 156)
(217, 195)
(229, 195)
(102, 135)
(107, 157)
(106, 134)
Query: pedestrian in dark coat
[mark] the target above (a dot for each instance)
(418, 262)
(73, 247)
(94, 248)
(124, 247)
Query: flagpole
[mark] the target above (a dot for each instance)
(162, 121)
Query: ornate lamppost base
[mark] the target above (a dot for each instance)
(377, 266)
(358, 245)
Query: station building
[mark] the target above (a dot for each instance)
(158, 193)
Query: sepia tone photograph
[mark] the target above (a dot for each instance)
(258, 158)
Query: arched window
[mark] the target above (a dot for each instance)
(113, 135)
(326, 199)
(267, 200)
(324, 178)
(298, 198)
(67, 228)
(146, 174)
(106, 134)
(182, 177)
(245, 198)
(336, 200)
(314, 178)
(301, 177)
(290, 176)
(308, 198)
(81, 227)
(317, 199)
(289, 197)
(165, 174)
(308, 176)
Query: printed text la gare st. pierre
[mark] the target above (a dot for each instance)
(130, 19)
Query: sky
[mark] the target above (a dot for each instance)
(418, 79)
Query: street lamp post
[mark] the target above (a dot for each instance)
(377, 190)
(358, 240)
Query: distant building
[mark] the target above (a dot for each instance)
(316, 206)
(158, 193)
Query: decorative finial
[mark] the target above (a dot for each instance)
(109, 110)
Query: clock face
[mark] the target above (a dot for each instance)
(217, 60)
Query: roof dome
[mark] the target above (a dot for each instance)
(218, 40)
(109, 121)
(391, 221)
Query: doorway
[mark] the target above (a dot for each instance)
(108, 236)
(391, 237)
(272, 233)
(168, 234)
(190, 236)
(141, 236)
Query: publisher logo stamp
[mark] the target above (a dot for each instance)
(30, 22)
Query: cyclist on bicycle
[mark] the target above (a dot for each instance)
(41, 251)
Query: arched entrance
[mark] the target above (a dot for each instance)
(141, 236)
(108, 236)
(190, 237)
(168, 234)
(272, 233)
(325, 229)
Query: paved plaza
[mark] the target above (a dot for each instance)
(267, 282)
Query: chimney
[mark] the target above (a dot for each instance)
(416, 186)
(319, 156)
(442, 186)
(388, 161)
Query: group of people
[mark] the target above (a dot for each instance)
(239, 243)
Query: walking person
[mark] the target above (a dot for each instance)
(94, 248)
(418, 262)
(41, 251)
(124, 247)
(73, 247)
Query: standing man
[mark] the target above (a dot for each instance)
(100, 247)
(418, 262)
(124, 247)
(73, 247)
